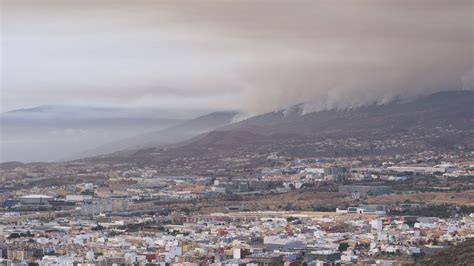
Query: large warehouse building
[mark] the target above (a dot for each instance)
(35, 199)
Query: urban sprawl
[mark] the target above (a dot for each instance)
(374, 210)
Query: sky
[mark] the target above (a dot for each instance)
(253, 56)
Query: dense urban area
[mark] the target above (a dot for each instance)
(247, 209)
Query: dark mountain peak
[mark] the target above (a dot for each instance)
(10, 165)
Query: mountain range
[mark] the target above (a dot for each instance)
(441, 121)
(55, 132)
(170, 135)
(437, 110)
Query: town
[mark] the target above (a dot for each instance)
(236, 133)
(372, 210)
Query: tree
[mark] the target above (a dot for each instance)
(13, 235)
(98, 228)
(343, 246)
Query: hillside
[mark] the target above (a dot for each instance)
(442, 109)
(442, 121)
(461, 254)
(10, 165)
(174, 134)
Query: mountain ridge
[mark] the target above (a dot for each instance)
(447, 102)
(440, 121)
(168, 136)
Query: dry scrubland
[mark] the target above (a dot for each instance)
(456, 198)
(310, 200)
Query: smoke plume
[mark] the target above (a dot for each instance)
(254, 56)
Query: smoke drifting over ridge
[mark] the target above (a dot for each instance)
(254, 56)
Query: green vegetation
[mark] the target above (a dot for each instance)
(343, 246)
(441, 211)
(98, 228)
(17, 235)
(461, 254)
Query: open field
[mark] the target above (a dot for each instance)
(308, 200)
(456, 198)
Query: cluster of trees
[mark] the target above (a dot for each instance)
(343, 246)
(441, 211)
(324, 209)
(17, 235)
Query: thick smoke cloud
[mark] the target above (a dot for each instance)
(254, 56)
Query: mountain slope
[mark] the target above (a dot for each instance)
(174, 134)
(438, 110)
(442, 122)
(460, 254)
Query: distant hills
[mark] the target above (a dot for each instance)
(442, 121)
(84, 116)
(55, 132)
(10, 165)
(174, 134)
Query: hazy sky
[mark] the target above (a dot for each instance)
(251, 55)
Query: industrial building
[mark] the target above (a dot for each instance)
(365, 209)
(35, 199)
